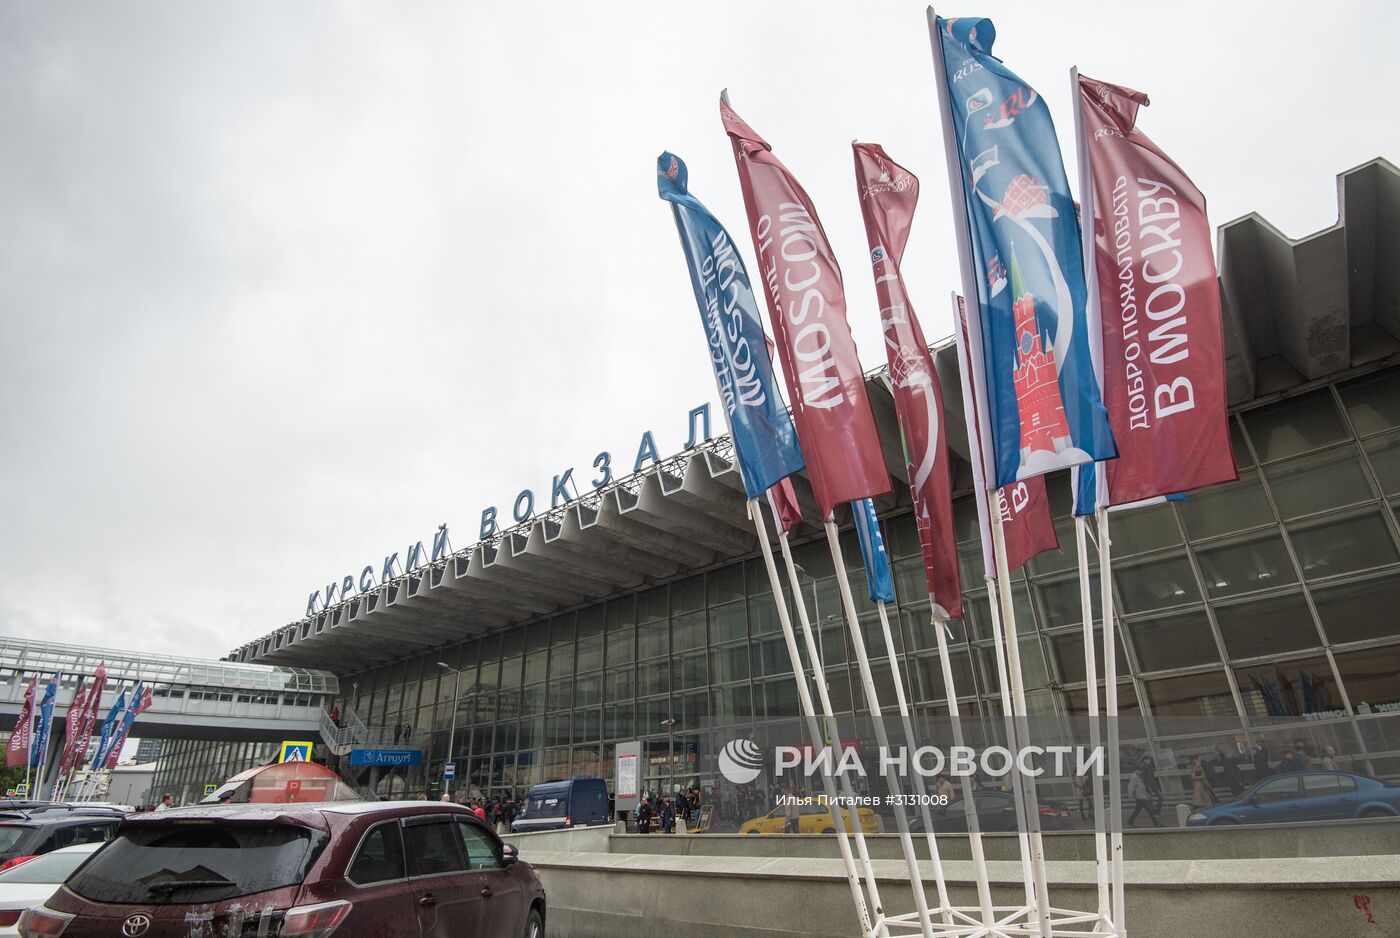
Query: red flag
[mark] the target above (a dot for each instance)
(1163, 343)
(76, 711)
(94, 700)
(888, 194)
(783, 500)
(807, 307)
(1026, 521)
(17, 750)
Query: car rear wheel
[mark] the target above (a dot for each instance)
(1224, 822)
(534, 925)
(828, 830)
(1376, 812)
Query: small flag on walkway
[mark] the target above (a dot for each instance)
(17, 749)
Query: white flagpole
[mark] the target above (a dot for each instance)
(1008, 717)
(970, 290)
(910, 743)
(805, 699)
(1110, 694)
(1091, 674)
(974, 829)
(1086, 202)
(828, 713)
(872, 699)
(1018, 696)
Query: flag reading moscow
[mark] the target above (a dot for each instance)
(888, 195)
(1033, 328)
(764, 438)
(1163, 342)
(807, 307)
(17, 749)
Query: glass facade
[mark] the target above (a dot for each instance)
(1266, 604)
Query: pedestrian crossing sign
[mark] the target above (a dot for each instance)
(295, 752)
(210, 789)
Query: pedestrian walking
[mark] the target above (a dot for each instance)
(1141, 796)
(644, 813)
(1233, 780)
(1329, 759)
(943, 788)
(792, 813)
(1084, 794)
(1153, 783)
(668, 816)
(1260, 758)
(1202, 795)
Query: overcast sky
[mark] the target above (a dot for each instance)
(286, 285)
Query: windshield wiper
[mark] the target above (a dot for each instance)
(168, 886)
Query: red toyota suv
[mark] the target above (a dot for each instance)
(353, 870)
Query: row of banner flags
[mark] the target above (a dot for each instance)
(29, 743)
(1099, 350)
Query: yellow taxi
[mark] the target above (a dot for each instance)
(815, 818)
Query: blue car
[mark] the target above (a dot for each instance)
(1305, 796)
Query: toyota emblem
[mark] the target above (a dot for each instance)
(135, 925)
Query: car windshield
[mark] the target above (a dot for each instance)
(176, 864)
(547, 806)
(11, 834)
(49, 868)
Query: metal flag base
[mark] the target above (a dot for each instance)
(1010, 921)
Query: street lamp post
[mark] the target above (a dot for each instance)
(452, 733)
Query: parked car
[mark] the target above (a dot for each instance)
(348, 869)
(8, 808)
(1305, 796)
(29, 835)
(814, 819)
(32, 882)
(554, 805)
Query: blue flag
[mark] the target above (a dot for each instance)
(764, 438)
(39, 749)
(872, 551)
(1090, 493)
(1033, 332)
(109, 726)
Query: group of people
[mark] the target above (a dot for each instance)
(498, 812)
(662, 812)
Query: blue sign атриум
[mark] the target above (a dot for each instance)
(386, 757)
